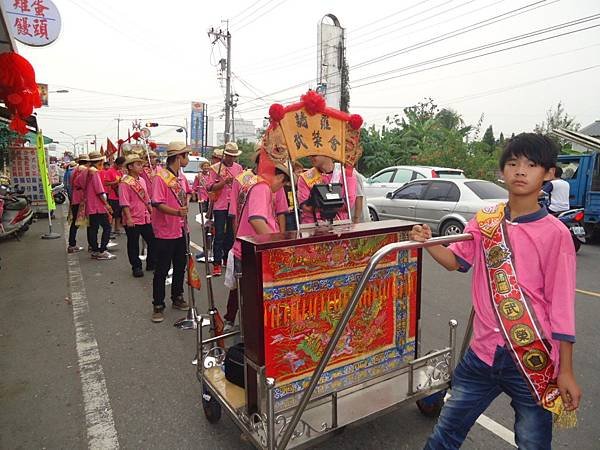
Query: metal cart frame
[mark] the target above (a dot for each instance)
(315, 418)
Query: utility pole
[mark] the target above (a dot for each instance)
(118, 119)
(225, 38)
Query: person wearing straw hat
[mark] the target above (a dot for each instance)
(135, 203)
(78, 180)
(219, 183)
(217, 156)
(170, 192)
(98, 209)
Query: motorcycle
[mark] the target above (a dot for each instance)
(59, 193)
(16, 213)
(573, 220)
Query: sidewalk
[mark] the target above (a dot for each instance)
(40, 392)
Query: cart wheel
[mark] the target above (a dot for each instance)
(431, 406)
(211, 407)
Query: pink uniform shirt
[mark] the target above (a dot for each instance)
(281, 203)
(544, 260)
(199, 187)
(222, 201)
(78, 184)
(138, 208)
(304, 194)
(110, 175)
(95, 188)
(166, 226)
(259, 205)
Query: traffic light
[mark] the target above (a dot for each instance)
(151, 124)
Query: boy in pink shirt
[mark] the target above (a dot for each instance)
(170, 192)
(523, 293)
(219, 183)
(322, 173)
(97, 209)
(135, 202)
(255, 214)
(111, 178)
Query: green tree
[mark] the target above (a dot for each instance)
(488, 138)
(557, 118)
(247, 148)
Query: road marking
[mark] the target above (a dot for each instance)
(101, 431)
(593, 294)
(499, 430)
(196, 246)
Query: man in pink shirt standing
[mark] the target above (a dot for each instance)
(135, 202)
(97, 209)
(523, 295)
(78, 182)
(323, 172)
(170, 192)
(219, 183)
(111, 178)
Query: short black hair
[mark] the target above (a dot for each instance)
(278, 171)
(536, 147)
(120, 160)
(558, 172)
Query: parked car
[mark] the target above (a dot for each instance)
(445, 205)
(191, 170)
(392, 178)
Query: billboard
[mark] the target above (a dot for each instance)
(197, 126)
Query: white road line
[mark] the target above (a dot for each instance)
(590, 293)
(501, 431)
(196, 246)
(101, 431)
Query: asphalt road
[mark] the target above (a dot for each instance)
(145, 370)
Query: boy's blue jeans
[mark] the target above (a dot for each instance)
(474, 386)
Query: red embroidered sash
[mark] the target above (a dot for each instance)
(516, 316)
(136, 187)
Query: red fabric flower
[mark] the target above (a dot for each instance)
(152, 145)
(313, 103)
(355, 121)
(136, 136)
(276, 112)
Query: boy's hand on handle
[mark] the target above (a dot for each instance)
(183, 210)
(569, 391)
(420, 233)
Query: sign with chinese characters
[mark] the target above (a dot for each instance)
(197, 126)
(33, 22)
(305, 291)
(319, 134)
(25, 172)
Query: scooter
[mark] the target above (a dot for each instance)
(573, 220)
(59, 193)
(16, 213)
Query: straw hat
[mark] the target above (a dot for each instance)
(177, 148)
(152, 154)
(231, 149)
(72, 164)
(217, 153)
(83, 157)
(130, 159)
(95, 157)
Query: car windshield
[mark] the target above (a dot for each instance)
(193, 167)
(486, 190)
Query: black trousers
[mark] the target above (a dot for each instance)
(168, 251)
(73, 228)
(133, 245)
(223, 235)
(97, 221)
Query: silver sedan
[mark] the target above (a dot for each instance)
(446, 205)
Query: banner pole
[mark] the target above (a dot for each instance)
(41, 156)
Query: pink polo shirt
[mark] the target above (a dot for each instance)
(95, 188)
(78, 184)
(166, 226)
(110, 175)
(199, 187)
(222, 201)
(544, 259)
(259, 205)
(304, 194)
(281, 203)
(138, 208)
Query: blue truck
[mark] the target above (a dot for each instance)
(582, 171)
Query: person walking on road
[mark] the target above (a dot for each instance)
(170, 192)
(221, 177)
(97, 209)
(523, 290)
(135, 202)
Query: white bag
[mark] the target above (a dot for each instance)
(230, 282)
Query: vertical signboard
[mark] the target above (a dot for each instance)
(197, 126)
(25, 172)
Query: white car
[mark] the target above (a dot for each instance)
(445, 205)
(391, 178)
(193, 168)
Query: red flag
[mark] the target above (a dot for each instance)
(110, 148)
(102, 150)
(193, 278)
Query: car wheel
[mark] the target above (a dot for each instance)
(373, 215)
(452, 227)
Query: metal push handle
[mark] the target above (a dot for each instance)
(339, 329)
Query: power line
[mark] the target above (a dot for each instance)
(245, 20)
(244, 10)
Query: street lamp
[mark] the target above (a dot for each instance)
(180, 128)
(75, 139)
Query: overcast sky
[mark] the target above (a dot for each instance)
(149, 59)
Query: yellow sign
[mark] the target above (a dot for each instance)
(41, 155)
(319, 134)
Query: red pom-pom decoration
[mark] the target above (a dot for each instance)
(120, 142)
(17, 124)
(276, 112)
(152, 145)
(136, 136)
(313, 103)
(355, 121)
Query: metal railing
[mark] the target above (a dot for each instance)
(348, 312)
